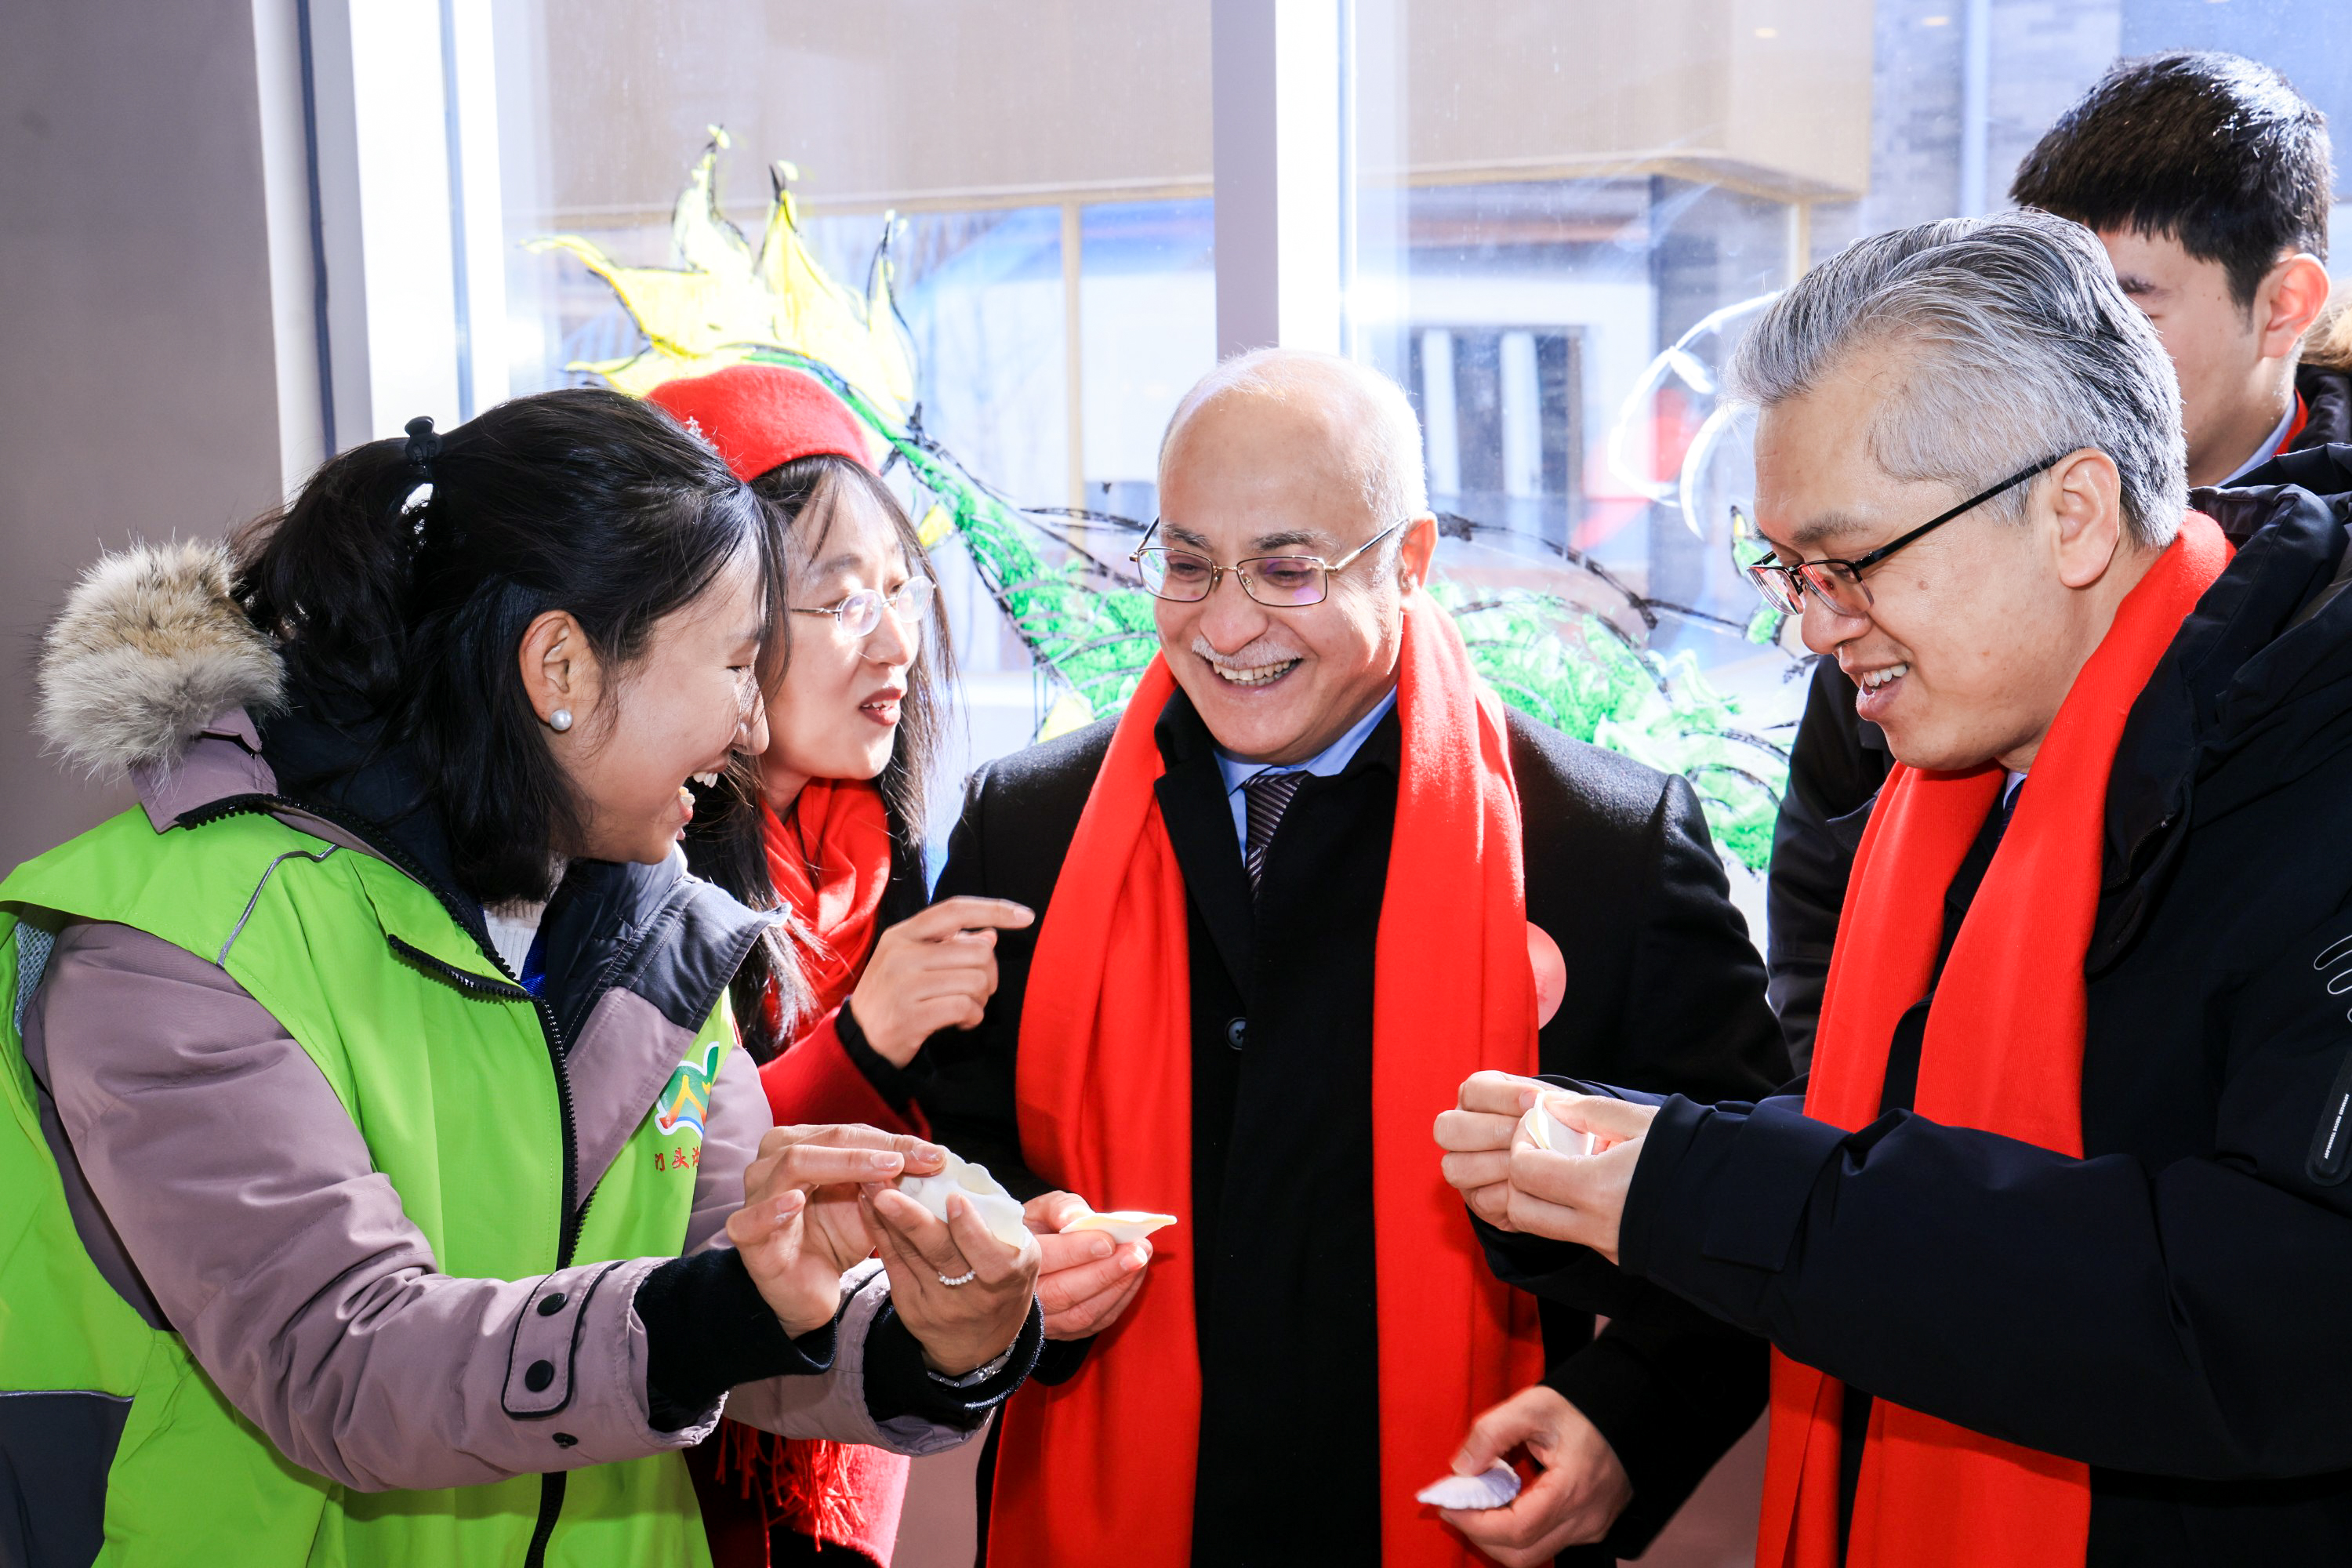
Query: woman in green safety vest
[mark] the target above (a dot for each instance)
(385, 1185)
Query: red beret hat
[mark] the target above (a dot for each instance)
(762, 415)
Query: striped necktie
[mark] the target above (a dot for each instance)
(1269, 796)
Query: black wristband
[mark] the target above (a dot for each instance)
(708, 1328)
(894, 1083)
(898, 1385)
(1060, 1360)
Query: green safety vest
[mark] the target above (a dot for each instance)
(443, 1064)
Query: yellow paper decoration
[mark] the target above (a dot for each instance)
(1071, 712)
(725, 301)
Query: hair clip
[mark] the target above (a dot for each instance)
(423, 445)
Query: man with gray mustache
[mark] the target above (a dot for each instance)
(1313, 864)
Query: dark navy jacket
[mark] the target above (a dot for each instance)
(2175, 1309)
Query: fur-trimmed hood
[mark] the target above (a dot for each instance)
(150, 649)
(153, 671)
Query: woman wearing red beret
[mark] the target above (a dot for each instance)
(836, 838)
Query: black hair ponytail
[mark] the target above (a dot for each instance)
(330, 574)
(407, 606)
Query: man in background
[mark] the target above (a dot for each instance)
(2208, 179)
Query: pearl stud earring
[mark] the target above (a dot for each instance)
(560, 720)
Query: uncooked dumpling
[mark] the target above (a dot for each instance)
(1493, 1487)
(1122, 1226)
(997, 1208)
(1545, 1130)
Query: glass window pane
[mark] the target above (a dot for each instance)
(1568, 215)
(1048, 164)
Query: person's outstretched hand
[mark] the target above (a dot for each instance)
(1580, 1198)
(1476, 1138)
(930, 972)
(961, 1326)
(1085, 1281)
(800, 1226)
(1575, 1498)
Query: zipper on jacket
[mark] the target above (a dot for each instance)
(568, 1230)
(2331, 1141)
(550, 1503)
(551, 1485)
(575, 1207)
(568, 1234)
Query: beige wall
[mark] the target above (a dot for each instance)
(1497, 85)
(885, 100)
(137, 395)
(925, 102)
(1800, 100)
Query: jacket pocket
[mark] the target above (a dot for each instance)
(2331, 1141)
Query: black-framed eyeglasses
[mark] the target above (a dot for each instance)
(858, 613)
(1839, 582)
(1277, 582)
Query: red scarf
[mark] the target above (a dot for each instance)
(2003, 1052)
(831, 864)
(1101, 1468)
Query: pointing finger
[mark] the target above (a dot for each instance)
(949, 916)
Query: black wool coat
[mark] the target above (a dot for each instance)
(2171, 1308)
(1663, 989)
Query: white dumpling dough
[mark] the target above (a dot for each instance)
(997, 1209)
(1492, 1488)
(1122, 1226)
(1545, 1130)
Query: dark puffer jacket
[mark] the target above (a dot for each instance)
(2169, 1309)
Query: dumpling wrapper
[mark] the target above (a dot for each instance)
(1545, 1130)
(997, 1209)
(1493, 1487)
(1123, 1225)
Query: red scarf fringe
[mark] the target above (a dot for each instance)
(807, 1481)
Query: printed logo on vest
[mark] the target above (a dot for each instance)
(688, 1093)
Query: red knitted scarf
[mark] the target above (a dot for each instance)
(830, 862)
(2003, 1052)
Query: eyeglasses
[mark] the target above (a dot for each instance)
(1277, 582)
(1839, 582)
(860, 613)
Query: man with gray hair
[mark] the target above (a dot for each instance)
(2052, 1242)
(1311, 878)
(2208, 182)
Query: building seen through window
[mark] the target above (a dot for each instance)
(1561, 215)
